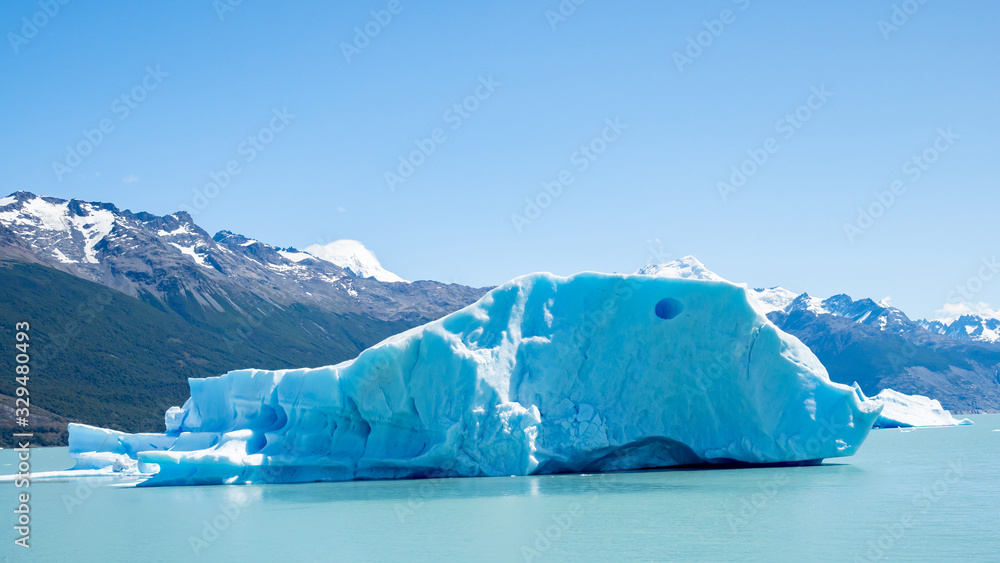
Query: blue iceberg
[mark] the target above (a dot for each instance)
(544, 374)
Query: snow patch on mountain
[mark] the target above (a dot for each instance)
(296, 256)
(190, 251)
(815, 305)
(94, 227)
(181, 229)
(353, 255)
(773, 298)
(46, 215)
(62, 257)
(59, 220)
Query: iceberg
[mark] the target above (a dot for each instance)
(903, 411)
(544, 374)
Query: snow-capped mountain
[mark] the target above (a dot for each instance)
(172, 261)
(967, 327)
(688, 267)
(862, 311)
(69, 230)
(350, 255)
(773, 298)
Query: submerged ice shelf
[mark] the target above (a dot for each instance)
(544, 374)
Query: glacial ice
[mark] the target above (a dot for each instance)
(544, 374)
(901, 411)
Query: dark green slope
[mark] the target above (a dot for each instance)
(104, 358)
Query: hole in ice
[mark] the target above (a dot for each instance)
(668, 308)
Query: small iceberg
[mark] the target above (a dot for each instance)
(900, 410)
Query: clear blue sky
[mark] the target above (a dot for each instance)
(554, 85)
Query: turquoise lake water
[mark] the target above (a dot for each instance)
(923, 495)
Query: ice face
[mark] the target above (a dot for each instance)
(544, 374)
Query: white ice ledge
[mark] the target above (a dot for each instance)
(902, 411)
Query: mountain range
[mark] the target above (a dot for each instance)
(879, 346)
(126, 306)
(173, 264)
(127, 302)
(972, 328)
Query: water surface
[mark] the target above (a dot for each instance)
(922, 495)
